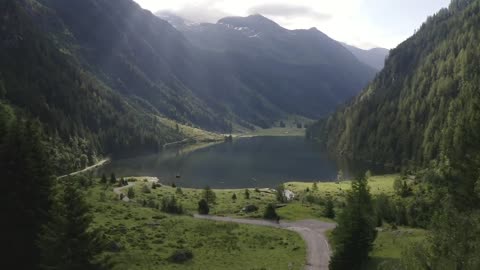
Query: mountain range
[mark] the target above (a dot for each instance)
(256, 31)
(100, 74)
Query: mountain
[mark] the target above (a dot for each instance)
(284, 68)
(102, 76)
(424, 106)
(82, 117)
(146, 59)
(375, 57)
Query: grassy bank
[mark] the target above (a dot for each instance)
(308, 203)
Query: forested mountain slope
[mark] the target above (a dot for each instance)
(424, 105)
(81, 116)
(98, 73)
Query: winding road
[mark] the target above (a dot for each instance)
(98, 164)
(312, 232)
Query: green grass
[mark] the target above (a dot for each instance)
(145, 238)
(148, 237)
(296, 210)
(276, 131)
(389, 245)
(197, 134)
(378, 184)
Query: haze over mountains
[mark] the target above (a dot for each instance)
(224, 36)
(132, 67)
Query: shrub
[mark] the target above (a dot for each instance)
(103, 180)
(250, 208)
(203, 208)
(131, 193)
(209, 195)
(270, 212)
(234, 197)
(329, 211)
(146, 189)
(181, 256)
(170, 205)
(113, 179)
(247, 194)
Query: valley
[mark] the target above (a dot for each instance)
(215, 136)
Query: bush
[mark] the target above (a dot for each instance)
(103, 180)
(179, 191)
(170, 205)
(146, 189)
(234, 197)
(209, 195)
(181, 256)
(329, 211)
(250, 208)
(131, 193)
(203, 208)
(247, 194)
(270, 212)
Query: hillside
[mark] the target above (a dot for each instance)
(375, 57)
(424, 105)
(82, 117)
(280, 68)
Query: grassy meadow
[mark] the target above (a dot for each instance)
(142, 237)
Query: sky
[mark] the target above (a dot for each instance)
(362, 23)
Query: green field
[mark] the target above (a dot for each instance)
(275, 131)
(390, 243)
(298, 209)
(378, 184)
(144, 238)
(148, 237)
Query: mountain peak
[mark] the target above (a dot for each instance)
(172, 18)
(257, 22)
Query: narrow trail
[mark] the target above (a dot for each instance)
(98, 164)
(312, 232)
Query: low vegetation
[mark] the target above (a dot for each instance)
(144, 237)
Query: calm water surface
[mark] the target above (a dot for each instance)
(247, 162)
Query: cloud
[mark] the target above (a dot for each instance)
(200, 11)
(288, 11)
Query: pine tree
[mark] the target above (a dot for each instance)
(103, 180)
(113, 179)
(209, 195)
(67, 241)
(131, 193)
(329, 211)
(203, 208)
(353, 237)
(26, 169)
(270, 212)
(247, 194)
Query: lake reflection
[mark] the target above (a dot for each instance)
(247, 162)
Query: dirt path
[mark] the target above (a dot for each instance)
(312, 232)
(100, 163)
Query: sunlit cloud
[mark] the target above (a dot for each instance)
(363, 23)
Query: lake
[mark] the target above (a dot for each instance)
(245, 163)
